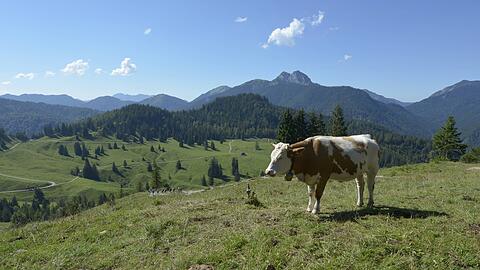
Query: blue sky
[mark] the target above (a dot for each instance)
(403, 49)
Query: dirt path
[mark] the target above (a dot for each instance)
(50, 183)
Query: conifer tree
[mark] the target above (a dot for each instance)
(149, 167)
(315, 125)
(446, 143)
(125, 165)
(337, 122)
(77, 149)
(300, 126)
(115, 145)
(203, 181)
(152, 149)
(178, 166)
(115, 169)
(124, 148)
(212, 146)
(286, 129)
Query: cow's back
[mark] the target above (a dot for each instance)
(350, 155)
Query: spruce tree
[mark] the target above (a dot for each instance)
(212, 146)
(286, 129)
(315, 125)
(300, 126)
(149, 167)
(178, 166)
(115, 169)
(77, 149)
(337, 122)
(157, 179)
(125, 165)
(446, 143)
(152, 149)
(203, 181)
(115, 145)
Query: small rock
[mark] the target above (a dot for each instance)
(103, 232)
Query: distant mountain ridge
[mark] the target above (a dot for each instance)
(461, 100)
(134, 98)
(166, 102)
(30, 117)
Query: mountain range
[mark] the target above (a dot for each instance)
(296, 90)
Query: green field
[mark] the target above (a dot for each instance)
(426, 217)
(34, 163)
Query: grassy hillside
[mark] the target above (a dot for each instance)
(36, 163)
(426, 216)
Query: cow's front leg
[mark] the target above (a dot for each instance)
(318, 195)
(311, 200)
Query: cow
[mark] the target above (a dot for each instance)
(317, 159)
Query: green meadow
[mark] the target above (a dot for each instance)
(426, 216)
(37, 163)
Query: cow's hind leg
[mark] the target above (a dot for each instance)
(311, 197)
(318, 195)
(371, 186)
(360, 188)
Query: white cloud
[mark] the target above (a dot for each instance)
(317, 19)
(49, 74)
(77, 67)
(147, 31)
(286, 36)
(6, 83)
(28, 76)
(334, 28)
(347, 57)
(126, 68)
(98, 71)
(241, 19)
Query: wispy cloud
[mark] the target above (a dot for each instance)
(77, 67)
(49, 74)
(147, 31)
(286, 36)
(334, 28)
(347, 57)
(126, 68)
(6, 82)
(241, 19)
(98, 71)
(28, 76)
(317, 19)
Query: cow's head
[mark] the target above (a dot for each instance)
(280, 161)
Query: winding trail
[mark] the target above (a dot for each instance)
(54, 184)
(50, 183)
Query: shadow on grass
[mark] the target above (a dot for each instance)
(383, 210)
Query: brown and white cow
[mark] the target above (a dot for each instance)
(317, 159)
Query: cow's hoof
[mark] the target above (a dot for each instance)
(316, 211)
(359, 204)
(370, 205)
(308, 209)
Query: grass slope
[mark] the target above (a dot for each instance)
(426, 216)
(38, 160)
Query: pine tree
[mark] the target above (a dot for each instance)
(124, 148)
(85, 152)
(115, 145)
(446, 143)
(178, 166)
(115, 169)
(257, 146)
(203, 181)
(300, 126)
(235, 170)
(77, 149)
(149, 167)
(147, 187)
(337, 122)
(125, 165)
(157, 178)
(315, 125)
(62, 150)
(89, 171)
(212, 146)
(286, 129)
(152, 149)
(205, 145)
(102, 151)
